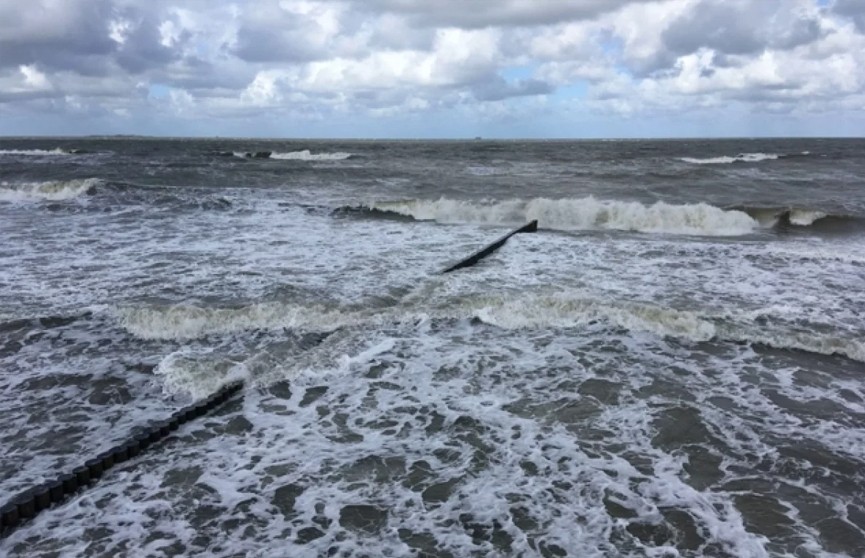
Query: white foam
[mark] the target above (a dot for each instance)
(562, 310)
(54, 190)
(35, 152)
(186, 372)
(565, 311)
(582, 214)
(306, 155)
(812, 342)
(528, 310)
(725, 160)
(805, 217)
(482, 170)
(186, 321)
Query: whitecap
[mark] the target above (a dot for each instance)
(53, 190)
(306, 155)
(740, 158)
(582, 214)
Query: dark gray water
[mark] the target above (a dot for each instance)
(673, 365)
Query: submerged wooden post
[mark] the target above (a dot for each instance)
(481, 254)
(29, 503)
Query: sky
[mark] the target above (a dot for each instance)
(433, 68)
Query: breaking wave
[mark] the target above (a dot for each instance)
(740, 158)
(811, 219)
(54, 190)
(565, 311)
(40, 152)
(304, 155)
(529, 311)
(576, 214)
(186, 321)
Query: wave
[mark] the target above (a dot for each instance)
(41, 152)
(792, 219)
(126, 194)
(740, 158)
(187, 321)
(565, 311)
(370, 212)
(304, 155)
(103, 194)
(568, 311)
(43, 322)
(575, 214)
(247, 154)
(53, 190)
(527, 311)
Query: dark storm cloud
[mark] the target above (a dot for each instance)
(141, 49)
(729, 28)
(192, 72)
(853, 9)
(76, 35)
(737, 28)
(21, 96)
(257, 44)
(499, 89)
(484, 13)
(53, 34)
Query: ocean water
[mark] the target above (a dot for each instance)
(673, 365)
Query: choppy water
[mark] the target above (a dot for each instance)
(673, 365)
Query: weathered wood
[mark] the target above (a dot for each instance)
(481, 254)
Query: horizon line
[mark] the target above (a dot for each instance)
(432, 138)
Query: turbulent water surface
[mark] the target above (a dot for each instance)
(673, 365)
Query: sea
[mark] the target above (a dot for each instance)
(672, 365)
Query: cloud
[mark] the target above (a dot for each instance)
(343, 61)
(53, 33)
(852, 9)
(271, 31)
(500, 89)
(741, 27)
(486, 13)
(33, 78)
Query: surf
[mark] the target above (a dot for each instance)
(41, 152)
(52, 190)
(303, 155)
(726, 160)
(574, 214)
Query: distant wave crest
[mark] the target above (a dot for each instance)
(304, 155)
(40, 152)
(53, 190)
(577, 214)
(740, 158)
